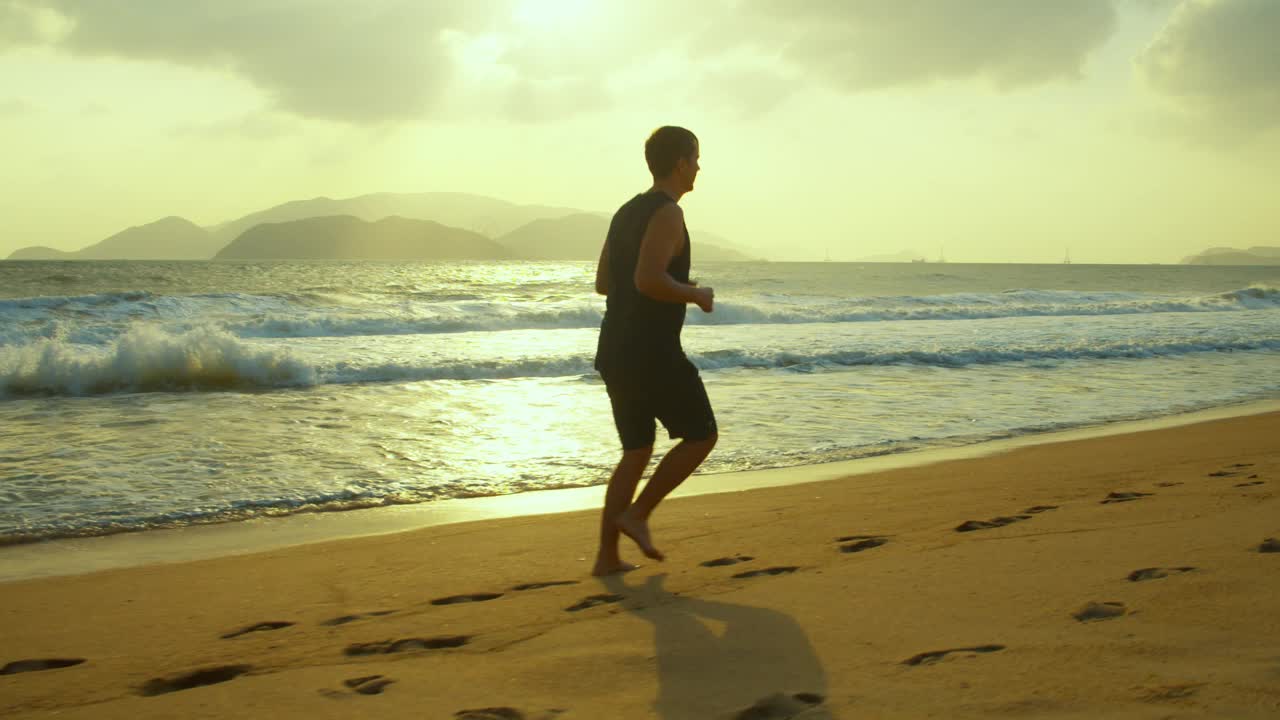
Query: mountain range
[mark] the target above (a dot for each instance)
(377, 226)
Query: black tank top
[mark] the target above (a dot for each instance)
(639, 334)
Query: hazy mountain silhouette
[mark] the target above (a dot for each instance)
(1257, 255)
(344, 237)
(171, 238)
(580, 237)
(40, 252)
(573, 234)
(485, 215)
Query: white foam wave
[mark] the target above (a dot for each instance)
(964, 356)
(979, 306)
(102, 318)
(480, 316)
(148, 359)
(437, 318)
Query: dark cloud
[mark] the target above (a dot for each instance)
(368, 62)
(1220, 60)
(870, 44)
(19, 24)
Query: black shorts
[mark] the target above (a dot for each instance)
(676, 398)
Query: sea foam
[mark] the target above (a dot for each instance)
(147, 358)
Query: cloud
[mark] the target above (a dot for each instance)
(1156, 5)
(872, 44)
(1220, 61)
(252, 126)
(539, 101)
(750, 88)
(26, 23)
(368, 62)
(17, 25)
(12, 107)
(385, 62)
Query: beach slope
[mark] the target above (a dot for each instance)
(1127, 576)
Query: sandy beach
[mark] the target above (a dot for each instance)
(1122, 576)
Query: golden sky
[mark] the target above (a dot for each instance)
(1000, 130)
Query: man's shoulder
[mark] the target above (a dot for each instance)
(671, 208)
(632, 202)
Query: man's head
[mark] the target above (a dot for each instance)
(672, 154)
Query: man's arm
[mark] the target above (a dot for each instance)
(602, 270)
(662, 240)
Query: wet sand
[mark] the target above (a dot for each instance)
(1124, 576)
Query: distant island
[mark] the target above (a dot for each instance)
(580, 237)
(171, 238)
(379, 226)
(344, 237)
(1257, 255)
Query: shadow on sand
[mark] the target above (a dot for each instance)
(721, 660)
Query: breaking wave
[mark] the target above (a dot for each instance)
(147, 359)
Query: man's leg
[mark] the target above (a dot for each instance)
(622, 487)
(678, 464)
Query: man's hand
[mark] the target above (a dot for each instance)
(705, 297)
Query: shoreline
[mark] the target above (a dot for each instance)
(1125, 575)
(82, 555)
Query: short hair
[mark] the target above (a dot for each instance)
(666, 146)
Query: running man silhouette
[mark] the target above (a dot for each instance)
(644, 272)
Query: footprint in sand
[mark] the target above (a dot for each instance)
(971, 525)
(386, 647)
(1100, 611)
(721, 562)
(1155, 573)
(540, 585)
(493, 713)
(199, 678)
(21, 666)
(858, 543)
(933, 656)
(1166, 693)
(1119, 497)
(781, 706)
(475, 597)
(777, 570)
(369, 684)
(505, 713)
(344, 619)
(592, 601)
(366, 685)
(1270, 545)
(260, 627)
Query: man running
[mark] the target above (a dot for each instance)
(644, 271)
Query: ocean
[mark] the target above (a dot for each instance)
(139, 395)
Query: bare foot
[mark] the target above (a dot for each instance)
(638, 530)
(612, 568)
